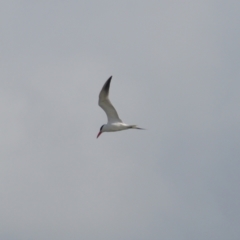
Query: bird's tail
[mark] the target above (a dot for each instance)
(136, 127)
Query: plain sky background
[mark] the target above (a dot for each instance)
(176, 70)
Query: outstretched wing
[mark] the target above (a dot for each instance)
(106, 105)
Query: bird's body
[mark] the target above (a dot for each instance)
(117, 126)
(114, 122)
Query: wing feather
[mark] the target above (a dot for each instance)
(106, 105)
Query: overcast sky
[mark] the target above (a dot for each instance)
(176, 70)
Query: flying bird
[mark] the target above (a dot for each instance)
(114, 122)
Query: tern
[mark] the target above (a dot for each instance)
(114, 122)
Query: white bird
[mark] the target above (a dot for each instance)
(114, 122)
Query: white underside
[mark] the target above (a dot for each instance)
(117, 126)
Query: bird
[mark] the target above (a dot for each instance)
(114, 122)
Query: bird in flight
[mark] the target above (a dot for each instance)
(114, 122)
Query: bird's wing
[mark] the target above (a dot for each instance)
(106, 105)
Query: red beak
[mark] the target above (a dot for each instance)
(99, 134)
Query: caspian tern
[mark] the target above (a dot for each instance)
(114, 122)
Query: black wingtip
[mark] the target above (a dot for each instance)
(107, 84)
(108, 81)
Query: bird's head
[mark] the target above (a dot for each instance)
(100, 131)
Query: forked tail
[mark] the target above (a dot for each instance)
(135, 127)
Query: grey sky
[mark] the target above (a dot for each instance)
(175, 67)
